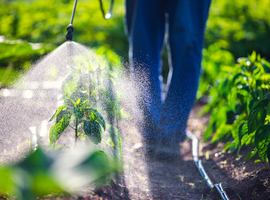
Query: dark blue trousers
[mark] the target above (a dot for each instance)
(147, 22)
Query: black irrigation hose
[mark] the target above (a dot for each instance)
(106, 16)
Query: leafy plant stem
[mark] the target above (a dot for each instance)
(71, 127)
(239, 197)
(76, 130)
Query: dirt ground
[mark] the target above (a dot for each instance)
(150, 178)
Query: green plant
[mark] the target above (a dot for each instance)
(37, 22)
(32, 178)
(37, 177)
(258, 126)
(239, 27)
(239, 106)
(16, 57)
(214, 60)
(87, 121)
(90, 81)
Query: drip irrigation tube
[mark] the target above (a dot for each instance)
(200, 167)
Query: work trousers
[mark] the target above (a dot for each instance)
(147, 22)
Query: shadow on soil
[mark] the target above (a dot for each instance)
(248, 181)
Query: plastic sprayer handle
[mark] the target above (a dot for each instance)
(69, 34)
(70, 26)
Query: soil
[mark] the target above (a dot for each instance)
(145, 177)
(150, 178)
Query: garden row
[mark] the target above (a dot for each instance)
(89, 99)
(239, 96)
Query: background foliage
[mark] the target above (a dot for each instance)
(238, 92)
(30, 29)
(239, 27)
(239, 107)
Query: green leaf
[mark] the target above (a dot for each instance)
(250, 155)
(78, 101)
(232, 99)
(58, 128)
(248, 139)
(63, 114)
(73, 102)
(238, 76)
(233, 147)
(97, 163)
(208, 132)
(243, 130)
(84, 102)
(45, 184)
(243, 92)
(266, 97)
(36, 162)
(53, 133)
(69, 85)
(114, 132)
(57, 112)
(74, 98)
(256, 118)
(222, 132)
(227, 146)
(253, 56)
(6, 180)
(262, 138)
(78, 111)
(252, 103)
(92, 129)
(268, 152)
(93, 114)
(79, 95)
(60, 147)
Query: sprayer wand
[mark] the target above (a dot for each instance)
(109, 13)
(70, 26)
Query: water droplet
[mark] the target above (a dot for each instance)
(6, 92)
(27, 94)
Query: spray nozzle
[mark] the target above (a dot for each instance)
(69, 32)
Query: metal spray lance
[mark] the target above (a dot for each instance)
(70, 26)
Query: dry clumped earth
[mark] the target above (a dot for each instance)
(150, 178)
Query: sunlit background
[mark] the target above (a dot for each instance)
(31, 29)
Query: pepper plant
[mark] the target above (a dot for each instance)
(239, 106)
(258, 126)
(86, 120)
(89, 83)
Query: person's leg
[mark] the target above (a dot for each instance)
(146, 37)
(130, 6)
(187, 19)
